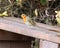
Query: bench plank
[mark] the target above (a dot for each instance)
(41, 31)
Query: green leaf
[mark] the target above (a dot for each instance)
(43, 2)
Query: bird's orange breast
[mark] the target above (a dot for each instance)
(24, 19)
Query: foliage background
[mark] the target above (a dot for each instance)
(16, 7)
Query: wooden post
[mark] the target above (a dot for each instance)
(59, 46)
(47, 44)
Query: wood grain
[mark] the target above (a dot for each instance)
(42, 31)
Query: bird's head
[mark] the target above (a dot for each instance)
(23, 16)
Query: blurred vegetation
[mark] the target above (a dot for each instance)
(45, 9)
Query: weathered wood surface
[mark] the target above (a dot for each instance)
(41, 31)
(8, 36)
(47, 44)
(15, 44)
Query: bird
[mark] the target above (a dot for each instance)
(3, 14)
(27, 20)
(31, 23)
(58, 16)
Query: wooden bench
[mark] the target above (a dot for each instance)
(49, 35)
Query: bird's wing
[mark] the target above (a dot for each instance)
(30, 21)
